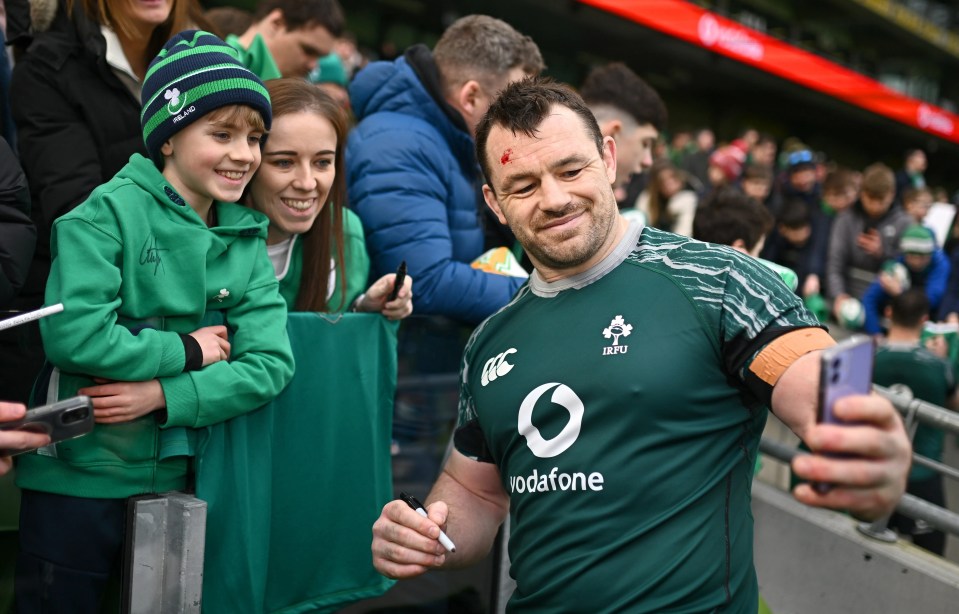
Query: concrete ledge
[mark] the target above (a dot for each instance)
(813, 560)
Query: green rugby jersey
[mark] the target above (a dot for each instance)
(930, 378)
(615, 407)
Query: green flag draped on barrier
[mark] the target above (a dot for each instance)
(294, 487)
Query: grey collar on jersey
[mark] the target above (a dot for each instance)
(626, 245)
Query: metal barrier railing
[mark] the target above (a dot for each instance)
(913, 411)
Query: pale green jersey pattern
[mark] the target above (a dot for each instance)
(615, 406)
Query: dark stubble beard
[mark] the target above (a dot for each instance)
(564, 254)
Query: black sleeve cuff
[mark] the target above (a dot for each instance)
(194, 355)
(470, 442)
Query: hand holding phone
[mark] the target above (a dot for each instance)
(845, 369)
(62, 420)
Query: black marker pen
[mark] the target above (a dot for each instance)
(417, 507)
(398, 282)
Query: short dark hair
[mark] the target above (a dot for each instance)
(729, 215)
(482, 47)
(838, 180)
(909, 308)
(765, 137)
(795, 214)
(618, 86)
(298, 14)
(913, 151)
(758, 172)
(228, 20)
(523, 105)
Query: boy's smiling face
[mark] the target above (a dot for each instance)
(213, 158)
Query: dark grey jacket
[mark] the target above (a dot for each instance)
(17, 234)
(849, 270)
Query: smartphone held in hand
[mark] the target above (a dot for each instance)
(62, 420)
(845, 369)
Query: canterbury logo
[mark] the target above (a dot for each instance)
(563, 396)
(496, 367)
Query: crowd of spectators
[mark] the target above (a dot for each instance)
(379, 168)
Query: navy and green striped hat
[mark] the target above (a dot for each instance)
(193, 74)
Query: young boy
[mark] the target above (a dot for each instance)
(172, 318)
(838, 192)
(757, 182)
(799, 241)
(731, 218)
(917, 202)
(927, 269)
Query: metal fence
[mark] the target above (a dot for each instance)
(914, 411)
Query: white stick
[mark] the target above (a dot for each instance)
(30, 316)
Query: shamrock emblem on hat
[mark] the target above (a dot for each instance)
(175, 105)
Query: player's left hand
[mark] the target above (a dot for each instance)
(374, 300)
(868, 482)
(117, 402)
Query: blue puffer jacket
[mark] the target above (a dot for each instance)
(414, 181)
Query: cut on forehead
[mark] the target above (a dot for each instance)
(558, 142)
(522, 107)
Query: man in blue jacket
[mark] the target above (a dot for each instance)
(412, 172)
(926, 267)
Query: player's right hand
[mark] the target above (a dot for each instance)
(406, 544)
(213, 342)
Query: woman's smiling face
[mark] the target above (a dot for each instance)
(294, 180)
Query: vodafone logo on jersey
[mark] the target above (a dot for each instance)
(735, 40)
(564, 396)
(553, 480)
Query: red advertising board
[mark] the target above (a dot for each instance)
(691, 23)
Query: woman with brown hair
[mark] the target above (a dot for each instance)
(666, 202)
(316, 244)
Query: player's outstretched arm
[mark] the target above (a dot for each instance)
(871, 479)
(467, 502)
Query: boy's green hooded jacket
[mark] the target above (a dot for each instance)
(134, 265)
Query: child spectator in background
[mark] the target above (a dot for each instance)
(917, 202)
(172, 318)
(731, 218)
(863, 237)
(763, 152)
(925, 267)
(801, 178)
(757, 183)
(839, 192)
(667, 202)
(799, 241)
(725, 167)
(901, 359)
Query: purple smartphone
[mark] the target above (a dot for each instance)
(846, 369)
